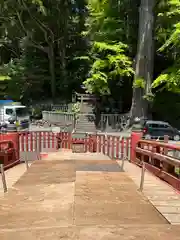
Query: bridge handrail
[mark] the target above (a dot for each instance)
(164, 158)
(7, 149)
(8, 142)
(153, 155)
(160, 144)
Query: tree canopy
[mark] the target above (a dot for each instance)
(49, 48)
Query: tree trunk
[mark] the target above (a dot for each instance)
(62, 54)
(144, 60)
(52, 71)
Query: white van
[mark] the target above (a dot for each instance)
(15, 113)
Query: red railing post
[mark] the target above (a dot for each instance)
(94, 142)
(49, 140)
(99, 142)
(69, 140)
(86, 140)
(117, 147)
(9, 151)
(104, 144)
(44, 139)
(108, 145)
(40, 141)
(91, 143)
(58, 140)
(128, 142)
(13, 137)
(122, 148)
(135, 137)
(112, 147)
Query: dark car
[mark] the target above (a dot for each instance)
(158, 129)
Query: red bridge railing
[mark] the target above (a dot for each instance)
(114, 147)
(8, 153)
(162, 159)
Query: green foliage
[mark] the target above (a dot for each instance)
(62, 44)
(40, 52)
(13, 73)
(4, 78)
(108, 54)
(139, 83)
(168, 34)
(113, 21)
(43, 44)
(76, 108)
(37, 113)
(149, 97)
(109, 63)
(171, 78)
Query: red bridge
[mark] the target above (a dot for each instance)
(115, 188)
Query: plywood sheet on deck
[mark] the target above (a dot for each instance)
(64, 200)
(68, 155)
(99, 201)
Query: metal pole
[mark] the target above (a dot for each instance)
(142, 177)
(26, 161)
(3, 178)
(122, 164)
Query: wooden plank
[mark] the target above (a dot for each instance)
(160, 194)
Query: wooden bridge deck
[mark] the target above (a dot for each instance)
(80, 199)
(159, 193)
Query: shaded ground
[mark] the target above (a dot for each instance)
(76, 199)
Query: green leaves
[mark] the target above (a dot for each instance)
(4, 78)
(40, 6)
(174, 38)
(169, 36)
(109, 63)
(139, 83)
(171, 78)
(97, 83)
(114, 48)
(44, 37)
(99, 65)
(107, 26)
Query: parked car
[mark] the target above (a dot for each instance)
(158, 129)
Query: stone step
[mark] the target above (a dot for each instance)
(85, 123)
